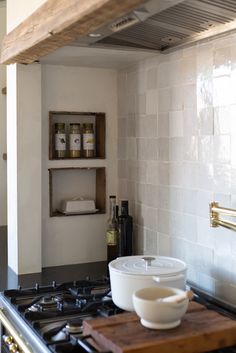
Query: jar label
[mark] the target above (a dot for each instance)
(111, 237)
(75, 142)
(60, 142)
(88, 141)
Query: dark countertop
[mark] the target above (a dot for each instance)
(60, 274)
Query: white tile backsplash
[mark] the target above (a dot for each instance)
(176, 123)
(177, 143)
(177, 97)
(152, 78)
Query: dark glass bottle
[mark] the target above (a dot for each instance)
(112, 231)
(125, 226)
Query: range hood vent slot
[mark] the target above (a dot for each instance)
(123, 23)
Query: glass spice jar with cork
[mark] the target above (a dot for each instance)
(60, 140)
(75, 141)
(88, 140)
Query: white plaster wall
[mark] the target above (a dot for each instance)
(176, 150)
(18, 10)
(3, 145)
(24, 167)
(77, 239)
(12, 167)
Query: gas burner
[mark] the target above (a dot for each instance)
(90, 291)
(46, 303)
(62, 330)
(74, 326)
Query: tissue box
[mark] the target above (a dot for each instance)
(77, 206)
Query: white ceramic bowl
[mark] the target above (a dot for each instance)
(158, 314)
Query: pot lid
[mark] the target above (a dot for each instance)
(148, 265)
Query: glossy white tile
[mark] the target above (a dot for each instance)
(141, 171)
(152, 195)
(222, 61)
(222, 120)
(152, 172)
(189, 197)
(164, 197)
(176, 149)
(163, 125)
(140, 103)
(206, 121)
(163, 170)
(163, 147)
(222, 149)
(151, 241)
(189, 96)
(190, 148)
(206, 149)
(164, 245)
(164, 100)
(176, 123)
(152, 78)
(190, 126)
(152, 101)
(177, 97)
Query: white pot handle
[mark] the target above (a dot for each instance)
(167, 278)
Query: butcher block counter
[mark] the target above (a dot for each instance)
(201, 330)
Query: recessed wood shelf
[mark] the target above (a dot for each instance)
(70, 183)
(97, 119)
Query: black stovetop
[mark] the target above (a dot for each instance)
(55, 313)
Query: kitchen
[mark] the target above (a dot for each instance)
(190, 90)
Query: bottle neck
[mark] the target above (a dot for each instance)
(112, 213)
(124, 209)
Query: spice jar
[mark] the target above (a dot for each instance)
(75, 141)
(60, 140)
(88, 140)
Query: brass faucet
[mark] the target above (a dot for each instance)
(216, 221)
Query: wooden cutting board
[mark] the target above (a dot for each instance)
(201, 330)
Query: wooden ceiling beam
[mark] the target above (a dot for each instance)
(57, 23)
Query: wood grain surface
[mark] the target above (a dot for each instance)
(57, 23)
(201, 330)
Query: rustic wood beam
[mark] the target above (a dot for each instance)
(57, 23)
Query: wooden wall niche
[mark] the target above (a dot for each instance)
(98, 119)
(69, 183)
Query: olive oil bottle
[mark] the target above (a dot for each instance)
(125, 231)
(112, 231)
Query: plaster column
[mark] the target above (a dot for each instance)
(24, 168)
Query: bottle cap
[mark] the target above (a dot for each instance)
(88, 126)
(60, 125)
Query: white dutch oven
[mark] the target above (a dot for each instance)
(130, 273)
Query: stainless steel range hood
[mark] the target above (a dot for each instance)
(165, 25)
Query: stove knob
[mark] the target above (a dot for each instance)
(8, 340)
(13, 348)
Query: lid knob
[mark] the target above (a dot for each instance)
(148, 261)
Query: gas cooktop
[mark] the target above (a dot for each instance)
(50, 318)
(55, 313)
